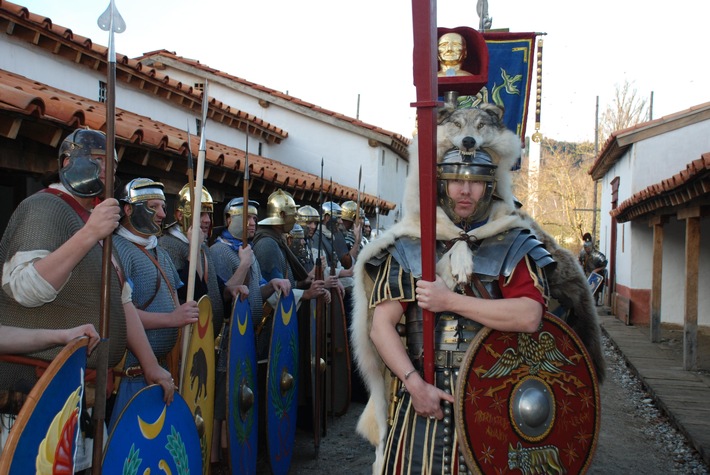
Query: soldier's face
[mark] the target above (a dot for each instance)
(465, 194)
(205, 222)
(311, 228)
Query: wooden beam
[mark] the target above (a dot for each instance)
(656, 283)
(690, 324)
(691, 212)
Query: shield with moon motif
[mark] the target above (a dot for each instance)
(44, 436)
(528, 401)
(282, 385)
(242, 392)
(197, 383)
(152, 437)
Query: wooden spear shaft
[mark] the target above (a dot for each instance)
(195, 243)
(110, 21)
(425, 81)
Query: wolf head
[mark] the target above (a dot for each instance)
(480, 128)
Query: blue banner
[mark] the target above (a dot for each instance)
(511, 57)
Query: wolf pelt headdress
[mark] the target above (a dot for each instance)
(567, 284)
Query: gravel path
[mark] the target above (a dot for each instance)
(635, 436)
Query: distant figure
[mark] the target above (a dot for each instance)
(592, 260)
(452, 53)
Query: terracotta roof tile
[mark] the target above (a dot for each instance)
(620, 140)
(681, 189)
(82, 51)
(398, 143)
(24, 96)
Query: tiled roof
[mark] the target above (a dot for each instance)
(157, 59)
(25, 104)
(620, 140)
(19, 23)
(690, 186)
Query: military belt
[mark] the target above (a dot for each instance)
(448, 359)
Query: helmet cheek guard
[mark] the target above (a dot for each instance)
(142, 219)
(184, 205)
(137, 193)
(82, 175)
(470, 167)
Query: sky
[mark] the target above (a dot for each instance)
(355, 57)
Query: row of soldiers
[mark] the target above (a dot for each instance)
(52, 258)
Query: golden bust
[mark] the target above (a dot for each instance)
(452, 53)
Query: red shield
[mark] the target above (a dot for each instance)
(528, 401)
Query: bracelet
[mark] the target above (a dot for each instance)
(406, 375)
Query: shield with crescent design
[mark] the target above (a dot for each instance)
(197, 383)
(242, 392)
(152, 437)
(282, 385)
(338, 357)
(44, 436)
(528, 401)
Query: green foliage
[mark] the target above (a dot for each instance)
(177, 449)
(132, 462)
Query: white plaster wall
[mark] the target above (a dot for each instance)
(638, 244)
(18, 58)
(310, 140)
(673, 287)
(662, 156)
(634, 258)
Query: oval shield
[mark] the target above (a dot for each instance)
(150, 437)
(528, 400)
(242, 392)
(44, 436)
(282, 385)
(198, 377)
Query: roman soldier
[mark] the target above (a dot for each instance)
(409, 420)
(153, 278)
(52, 264)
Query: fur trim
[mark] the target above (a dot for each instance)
(567, 284)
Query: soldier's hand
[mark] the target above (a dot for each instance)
(156, 374)
(281, 285)
(433, 296)
(87, 330)
(103, 219)
(237, 290)
(185, 314)
(317, 289)
(246, 256)
(331, 281)
(426, 398)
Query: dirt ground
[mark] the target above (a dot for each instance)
(634, 437)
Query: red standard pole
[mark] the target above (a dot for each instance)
(425, 81)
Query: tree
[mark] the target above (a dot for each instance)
(626, 110)
(563, 195)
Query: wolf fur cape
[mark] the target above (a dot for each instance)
(456, 265)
